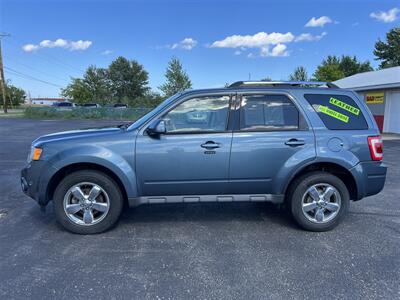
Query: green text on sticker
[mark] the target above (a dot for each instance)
(333, 113)
(344, 106)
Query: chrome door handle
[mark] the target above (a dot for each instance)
(210, 145)
(295, 143)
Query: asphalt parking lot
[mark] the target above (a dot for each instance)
(193, 251)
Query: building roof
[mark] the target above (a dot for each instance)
(381, 79)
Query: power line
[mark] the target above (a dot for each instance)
(18, 73)
(36, 70)
(52, 59)
(59, 62)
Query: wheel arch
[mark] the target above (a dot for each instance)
(68, 169)
(330, 167)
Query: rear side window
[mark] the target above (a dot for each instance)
(338, 112)
(268, 113)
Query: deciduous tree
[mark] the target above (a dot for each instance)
(77, 91)
(128, 79)
(14, 95)
(98, 84)
(333, 68)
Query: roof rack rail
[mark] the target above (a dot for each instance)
(282, 83)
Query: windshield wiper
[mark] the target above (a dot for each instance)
(125, 125)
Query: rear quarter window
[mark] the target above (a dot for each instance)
(338, 112)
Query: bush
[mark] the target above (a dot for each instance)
(85, 113)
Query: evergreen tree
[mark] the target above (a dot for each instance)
(177, 79)
(389, 53)
(299, 74)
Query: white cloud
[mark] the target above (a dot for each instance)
(318, 22)
(258, 40)
(30, 47)
(386, 17)
(308, 37)
(185, 44)
(107, 52)
(269, 44)
(58, 43)
(278, 50)
(80, 45)
(61, 43)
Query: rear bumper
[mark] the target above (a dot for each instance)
(370, 178)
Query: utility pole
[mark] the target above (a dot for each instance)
(2, 79)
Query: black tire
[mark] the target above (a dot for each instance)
(301, 185)
(105, 182)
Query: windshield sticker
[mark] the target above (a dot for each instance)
(344, 106)
(333, 113)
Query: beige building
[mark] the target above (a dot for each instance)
(381, 91)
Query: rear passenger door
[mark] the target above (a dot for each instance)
(270, 140)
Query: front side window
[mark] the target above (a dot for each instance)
(268, 113)
(200, 114)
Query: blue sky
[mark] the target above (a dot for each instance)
(217, 41)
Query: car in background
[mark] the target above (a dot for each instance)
(63, 105)
(120, 105)
(91, 105)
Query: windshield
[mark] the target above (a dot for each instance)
(143, 119)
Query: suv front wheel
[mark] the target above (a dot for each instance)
(318, 201)
(87, 202)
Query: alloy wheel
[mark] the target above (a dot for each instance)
(86, 203)
(321, 203)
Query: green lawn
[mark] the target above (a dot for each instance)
(12, 113)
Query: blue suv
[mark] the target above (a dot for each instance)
(309, 145)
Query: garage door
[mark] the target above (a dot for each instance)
(392, 113)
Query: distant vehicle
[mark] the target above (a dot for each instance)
(91, 105)
(309, 145)
(63, 104)
(120, 105)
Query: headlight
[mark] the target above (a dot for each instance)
(35, 153)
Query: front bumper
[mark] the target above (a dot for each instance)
(35, 177)
(370, 177)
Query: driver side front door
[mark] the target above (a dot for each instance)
(192, 157)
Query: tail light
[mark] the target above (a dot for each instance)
(375, 147)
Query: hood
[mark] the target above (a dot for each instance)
(75, 134)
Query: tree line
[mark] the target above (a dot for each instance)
(14, 96)
(334, 68)
(126, 81)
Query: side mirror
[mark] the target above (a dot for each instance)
(156, 128)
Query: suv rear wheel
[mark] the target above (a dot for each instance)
(87, 202)
(318, 201)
